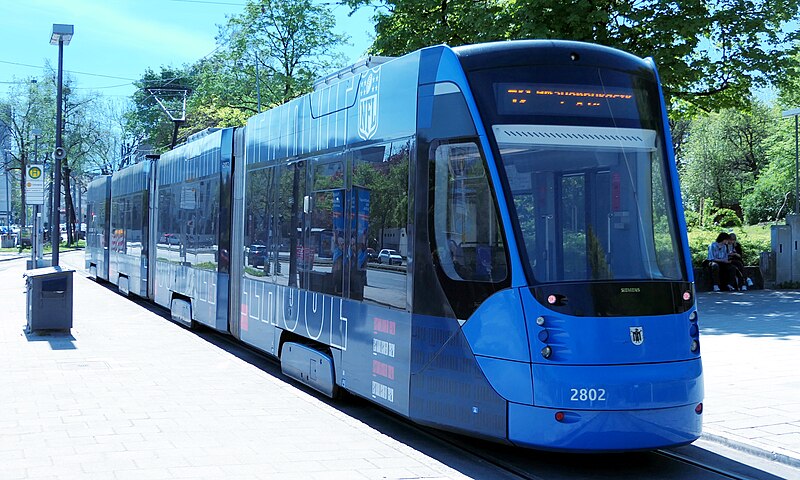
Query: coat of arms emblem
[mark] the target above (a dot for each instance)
(637, 335)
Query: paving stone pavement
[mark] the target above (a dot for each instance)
(750, 344)
(127, 394)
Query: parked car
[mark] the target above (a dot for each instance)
(390, 257)
(170, 239)
(372, 256)
(256, 255)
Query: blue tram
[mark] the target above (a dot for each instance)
(545, 297)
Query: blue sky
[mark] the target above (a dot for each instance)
(122, 38)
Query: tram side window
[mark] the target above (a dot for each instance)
(168, 244)
(324, 250)
(378, 217)
(666, 247)
(469, 242)
(259, 235)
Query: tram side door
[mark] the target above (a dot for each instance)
(324, 252)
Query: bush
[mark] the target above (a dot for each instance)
(692, 218)
(725, 217)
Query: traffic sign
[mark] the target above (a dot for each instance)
(34, 185)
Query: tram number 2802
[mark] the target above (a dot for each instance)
(587, 394)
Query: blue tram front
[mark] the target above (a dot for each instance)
(572, 281)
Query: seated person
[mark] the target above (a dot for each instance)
(720, 265)
(735, 256)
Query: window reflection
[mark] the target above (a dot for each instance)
(469, 242)
(378, 244)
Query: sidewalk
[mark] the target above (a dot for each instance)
(127, 394)
(750, 344)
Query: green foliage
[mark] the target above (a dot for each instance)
(725, 217)
(273, 48)
(148, 117)
(710, 53)
(692, 219)
(772, 194)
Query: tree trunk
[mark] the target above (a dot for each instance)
(23, 221)
(67, 206)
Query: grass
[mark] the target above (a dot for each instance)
(47, 248)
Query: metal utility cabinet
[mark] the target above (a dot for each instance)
(49, 298)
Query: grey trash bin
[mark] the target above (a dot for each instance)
(49, 298)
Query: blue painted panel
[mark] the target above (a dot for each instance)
(376, 363)
(606, 340)
(374, 341)
(512, 380)
(497, 328)
(594, 431)
(448, 388)
(618, 387)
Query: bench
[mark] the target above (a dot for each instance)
(702, 278)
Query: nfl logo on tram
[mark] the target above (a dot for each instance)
(637, 335)
(368, 104)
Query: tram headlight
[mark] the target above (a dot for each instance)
(547, 351)
(540, 321)
(695, 346)
(693, 316)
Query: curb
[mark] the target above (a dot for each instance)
(752, 450)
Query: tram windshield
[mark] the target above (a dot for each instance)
(586, 166)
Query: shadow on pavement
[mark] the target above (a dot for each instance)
(759, 313)
(58, 339)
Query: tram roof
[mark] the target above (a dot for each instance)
(550, 52)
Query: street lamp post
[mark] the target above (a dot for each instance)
(794, 113)
(61, 35)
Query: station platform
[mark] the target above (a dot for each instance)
(128, 394)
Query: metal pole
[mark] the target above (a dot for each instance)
(796, 162)
(36, 238)
(55, 230)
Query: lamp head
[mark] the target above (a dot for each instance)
(61, 32)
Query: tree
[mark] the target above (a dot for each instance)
(710, 53)
(707, 171)
(28, 106)
(116, 145)
(289, 42)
